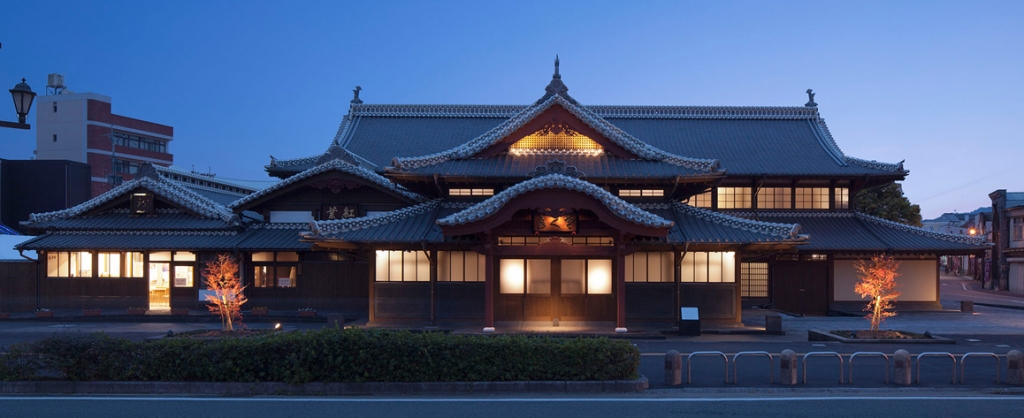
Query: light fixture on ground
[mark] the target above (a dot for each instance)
(23, 97)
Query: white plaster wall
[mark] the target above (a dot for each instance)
(916, 282)
(68, 123)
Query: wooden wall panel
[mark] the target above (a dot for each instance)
(402, 300)
(18, 286)
(713, 301)
(460, 300)
(650, 301)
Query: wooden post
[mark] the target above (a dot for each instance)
(489, 288)
(432, 257)
(620, 289)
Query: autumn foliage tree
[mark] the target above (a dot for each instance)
(227, 299)
(878, 282)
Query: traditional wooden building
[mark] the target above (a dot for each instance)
(553, 211)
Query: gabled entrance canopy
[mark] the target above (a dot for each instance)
(555, 195)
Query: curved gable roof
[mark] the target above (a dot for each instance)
(147, 178)
(324, 165)
(614, 204)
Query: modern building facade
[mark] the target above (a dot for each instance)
(1008, 240)
(552, 211)
(81, 127)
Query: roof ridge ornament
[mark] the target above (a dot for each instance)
(336, 152)
(147, 170)
(556, 87)
(810, 99)
(355, 96)
(556, 167)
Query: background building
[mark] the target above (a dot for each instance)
(1008, 240)
(81, 127)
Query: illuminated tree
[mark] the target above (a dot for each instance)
(227, 299)
(878, 282)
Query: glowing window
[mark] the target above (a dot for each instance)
(109, 264)
(842, 198)
(470, 192)
(812, 197)
(74, 264)
(734, 197)
(461, 266)
(649, 267)
(702, 200)
(775, 198)
(556, 136)
(702, 267)
(403, 266)
(642, 193)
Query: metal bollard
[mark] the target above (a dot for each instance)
(1015, 367)
(673, 368)
(964, 359)
(901, 368)
(725, 360)
(824, 353)
(870, 353)
(935, 354)
(771, 361)
(787, 367)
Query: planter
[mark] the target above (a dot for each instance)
(179, 312)
(261, 312)
(307, 314)
(91, 312)
(44, 314)
(136, 312)
(820, 335)
(5, 315)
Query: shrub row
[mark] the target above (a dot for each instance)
(328, 355)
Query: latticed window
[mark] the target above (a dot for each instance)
(702, 200)
(754, 280)
(734, 197)
(1017, 224)
(812, 197)
(842, 198)
(556, 135)
(642, 193)
(774, 198)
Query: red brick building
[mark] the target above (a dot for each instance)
(81, 127)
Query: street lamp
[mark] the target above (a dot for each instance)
(23, 97)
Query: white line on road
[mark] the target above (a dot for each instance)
(965, 287)
(494, 400)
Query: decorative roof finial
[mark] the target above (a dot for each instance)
(810, 99)
(556, 87)
(355, 97)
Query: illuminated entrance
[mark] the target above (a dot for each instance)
(544, 289)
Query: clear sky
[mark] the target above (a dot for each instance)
(937, 83)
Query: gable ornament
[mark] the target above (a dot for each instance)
(556, 167)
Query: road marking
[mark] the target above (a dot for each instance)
(817, 345)
(509, 400)
(1003, 345)
(965, 287)
(973, 340)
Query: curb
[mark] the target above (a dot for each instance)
(995, 305)
(323, 389)
(818, 335)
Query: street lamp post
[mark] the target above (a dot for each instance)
(23, 97)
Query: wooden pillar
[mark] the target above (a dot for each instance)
(373, 282)
(620, 289)
(432, 257)
(488, 288)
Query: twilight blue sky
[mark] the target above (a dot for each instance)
(940, 84)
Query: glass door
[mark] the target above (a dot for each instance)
(159, 286)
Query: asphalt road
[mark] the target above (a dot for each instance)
(788, 405)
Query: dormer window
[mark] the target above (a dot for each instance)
(556, 137)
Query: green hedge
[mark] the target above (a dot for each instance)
(328, 355)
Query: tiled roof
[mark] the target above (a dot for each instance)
(134, 240)
(334, 152)
(121, 219)
(332, 165)
(408, 225)
(706, 226)
(618, 206)
(148, 178)
(610, 131)
(594, 166)
(853, 231)
(744, 140)
(274, 236)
